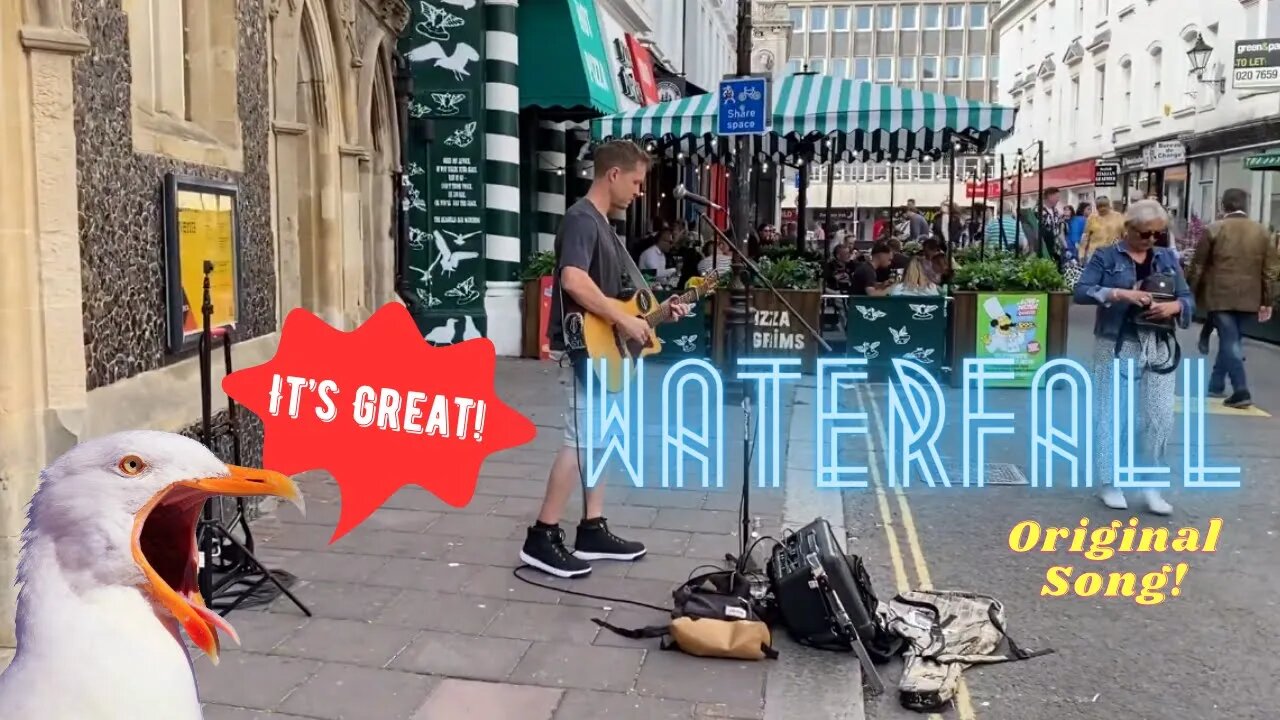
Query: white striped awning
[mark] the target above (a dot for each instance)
(859, 121)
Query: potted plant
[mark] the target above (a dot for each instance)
(536, 276)
(1005, 274)
(774, 330)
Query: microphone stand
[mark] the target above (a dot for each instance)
(750, 271)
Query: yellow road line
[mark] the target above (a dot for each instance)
(1215, 407)
(963, 703)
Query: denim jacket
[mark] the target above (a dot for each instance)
(1111, 268)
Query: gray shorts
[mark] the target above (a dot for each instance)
(575, 399)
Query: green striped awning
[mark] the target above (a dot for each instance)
(1269, 160)
(859, 120)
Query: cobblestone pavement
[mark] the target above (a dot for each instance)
(417, 613)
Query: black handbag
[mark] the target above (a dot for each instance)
(1162, 287)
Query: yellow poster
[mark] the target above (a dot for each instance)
(206, 231)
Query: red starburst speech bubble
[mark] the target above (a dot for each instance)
(379, 408)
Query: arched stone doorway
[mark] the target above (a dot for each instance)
(382, 137)
(306, 182)
(336, 155)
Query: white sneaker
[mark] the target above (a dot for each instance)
(1113, 498)
(1157, 504)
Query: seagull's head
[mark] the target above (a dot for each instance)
(122, 510)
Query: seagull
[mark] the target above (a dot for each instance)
(108, 580)
(469, 331)
(448, 258)
(444, 334)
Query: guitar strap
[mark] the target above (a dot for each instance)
(634, 274)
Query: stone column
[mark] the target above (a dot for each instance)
(502, 302)
(551, 181)
(42, 366)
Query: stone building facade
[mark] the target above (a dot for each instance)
(289, 101)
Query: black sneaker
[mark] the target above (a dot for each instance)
(544, 549)
(595, 542)
(1239, 400)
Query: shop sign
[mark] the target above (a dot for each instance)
(642, 63)
(1106, 174)
(626, 72)
(669, 90)
(1269, 160)
(975, 189)
(444, 188)
(1164, 154)
(1131, 163)
(1257, 65)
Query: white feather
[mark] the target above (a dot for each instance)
(91, 644)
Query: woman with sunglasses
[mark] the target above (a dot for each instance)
(1112, 280)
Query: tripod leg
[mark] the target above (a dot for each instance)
(267, 573)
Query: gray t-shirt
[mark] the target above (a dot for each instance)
(588, 242)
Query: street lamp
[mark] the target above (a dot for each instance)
(1199, 57)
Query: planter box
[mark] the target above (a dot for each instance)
(881, 329)
(775, 333)
(1033, 337)
(536, 307)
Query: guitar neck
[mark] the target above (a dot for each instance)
(663, 313)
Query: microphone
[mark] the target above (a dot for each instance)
(680, 193)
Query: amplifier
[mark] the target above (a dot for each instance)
(806, 612)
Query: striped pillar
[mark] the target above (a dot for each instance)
(502, 141)
(502, 177)
(551, 182)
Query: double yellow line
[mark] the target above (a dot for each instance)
(877, 438)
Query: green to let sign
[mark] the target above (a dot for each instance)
(1013, 326)
(444, 180)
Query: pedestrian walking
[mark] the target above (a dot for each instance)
(1232, 273)
(1126, 327)
(1103, 227)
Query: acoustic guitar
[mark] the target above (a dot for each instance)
(603, 341)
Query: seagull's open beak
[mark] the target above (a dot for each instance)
(164, 545)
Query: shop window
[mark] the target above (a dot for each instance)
(184, 89)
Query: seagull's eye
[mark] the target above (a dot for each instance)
(131, 465)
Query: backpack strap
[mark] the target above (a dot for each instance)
(1016, 651)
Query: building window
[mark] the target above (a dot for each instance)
(188, 110)
(993, 67)
(794, 65)
(977, 67)
(932, 17)
(1075, 98)
(955, 17)
(862, 18)
(1157, 74)
(818, 65)
(906, 68)
(910, 17)
(839, 67)
(840, 19)
(977, 17)
(951, 68)
(1100, 89)
(884, 69)
(884, 17)
(1126, 90)
(929, 68)
(1104, 9)
(862, 69)
(817, 19)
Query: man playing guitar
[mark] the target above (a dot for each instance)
(590, 272)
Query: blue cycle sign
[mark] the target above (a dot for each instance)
(743, 106)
